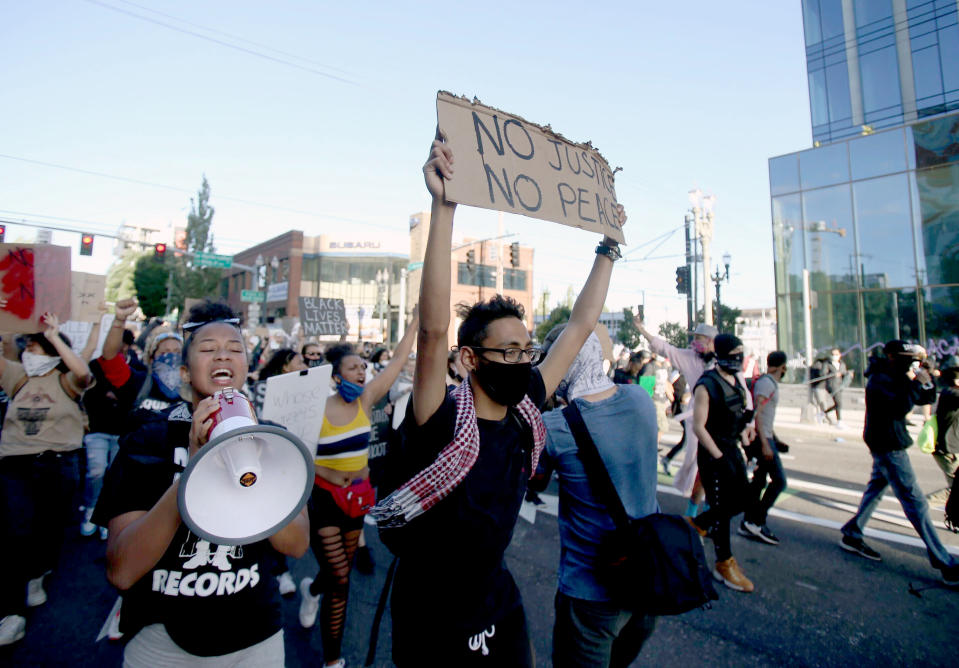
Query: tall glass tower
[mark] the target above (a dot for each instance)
(879, 63)
(866, 222)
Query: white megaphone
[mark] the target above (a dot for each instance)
(248, 482)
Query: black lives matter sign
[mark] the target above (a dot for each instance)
(506, 163)
(320, 316)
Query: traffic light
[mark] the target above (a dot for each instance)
(159, 252)
(471, 260)
(514, 253)
(3, 232)
(86, 244)
(682, 280)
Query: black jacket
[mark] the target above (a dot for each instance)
(890, 396)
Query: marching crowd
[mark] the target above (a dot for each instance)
(478, 429)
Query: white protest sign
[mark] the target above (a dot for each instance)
(297, 400)
(78, 333)
(506, 163)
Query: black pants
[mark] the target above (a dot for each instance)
(37, 494)
(503, 643)
(724, 480)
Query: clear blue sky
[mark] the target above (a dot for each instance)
(679, 95)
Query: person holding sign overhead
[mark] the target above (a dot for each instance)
(468, 454)
(342, 495)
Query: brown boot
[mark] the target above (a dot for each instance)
(729, 573)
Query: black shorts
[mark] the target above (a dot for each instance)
(325, 513)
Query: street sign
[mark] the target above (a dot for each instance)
(251, 296)
(213, 260)
(413, 266)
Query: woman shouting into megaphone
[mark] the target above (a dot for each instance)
(184, 597)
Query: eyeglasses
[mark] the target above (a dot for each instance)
(514, 355)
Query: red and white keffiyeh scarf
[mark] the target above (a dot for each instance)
(435, 482)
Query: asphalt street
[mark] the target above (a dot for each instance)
(814, 604)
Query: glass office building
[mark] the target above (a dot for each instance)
(866, 223)
(876, 64)
(872, 224)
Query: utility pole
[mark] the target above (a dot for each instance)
(702, 209)
(690, 313)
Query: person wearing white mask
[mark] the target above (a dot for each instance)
(40, 450)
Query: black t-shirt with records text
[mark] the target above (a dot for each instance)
(451, 574)
(212, 599)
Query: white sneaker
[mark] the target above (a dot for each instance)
(104, 533)
(35, 594)
(12, 629)
(309, 605)
(840, 425)
(287, 586)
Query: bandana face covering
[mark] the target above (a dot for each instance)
(166, 374)
(349, 391)
(506, 384)
(38, 365)
(314, 362)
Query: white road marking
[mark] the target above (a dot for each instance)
(887, 536)
(551, 507)
(807, 585)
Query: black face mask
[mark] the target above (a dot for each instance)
(506, 384)
(732, 364)
(313, 362)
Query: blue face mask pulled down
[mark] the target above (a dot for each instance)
(166, 374)
(349, 391)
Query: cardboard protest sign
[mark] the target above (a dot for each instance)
(323, 316)
(506, 163)
(86, 295)
(297, 401)
(34, 279)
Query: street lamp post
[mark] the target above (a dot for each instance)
(718, 279)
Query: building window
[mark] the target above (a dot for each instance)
(482, 275)
(884, 230)
(514, 279)
(880, 83)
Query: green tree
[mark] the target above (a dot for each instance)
(724, 318)
(674, 334)
(558, 315)
(189, 279)
(120, 276)
(150, 278)
(628, 333)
